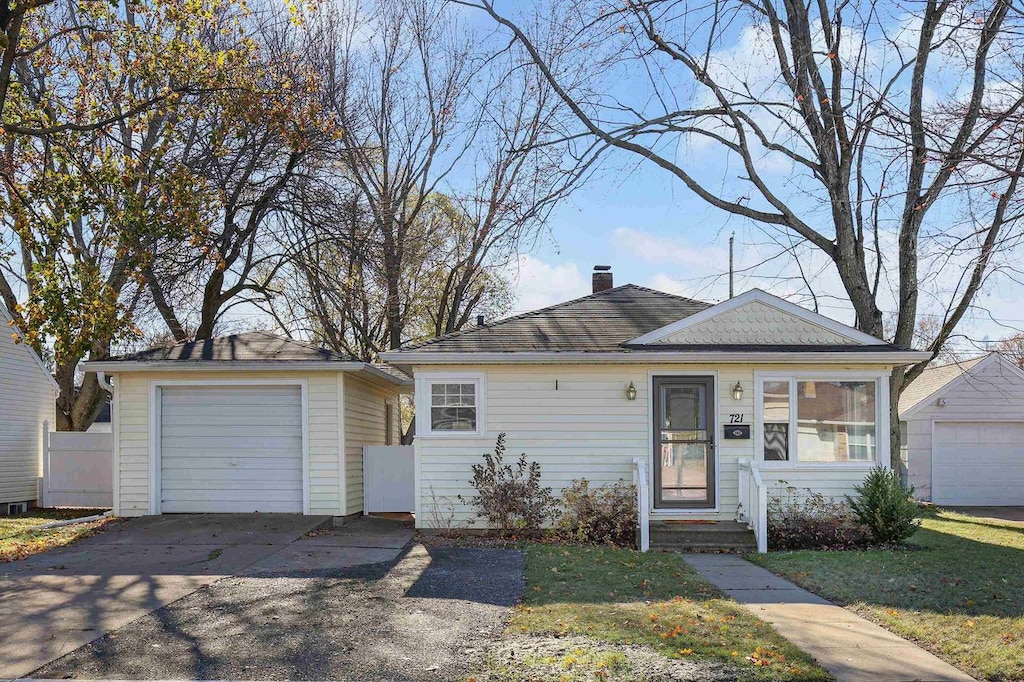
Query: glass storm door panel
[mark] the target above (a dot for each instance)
(684, 448)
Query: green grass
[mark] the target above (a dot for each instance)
(654, 599)
(18, 542)
(961, 596)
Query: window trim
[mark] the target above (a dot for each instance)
(425, 380)
(881, 379)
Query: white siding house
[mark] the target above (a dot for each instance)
(27, 398)
(964, 433)
(244, 423)
(700, 401)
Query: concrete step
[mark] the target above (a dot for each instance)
(702, 537)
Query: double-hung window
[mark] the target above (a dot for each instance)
(451, 405)
(819, 420)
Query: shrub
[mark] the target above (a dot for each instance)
(510, 496)
(813, 521)
(606, 514)
(885, 507)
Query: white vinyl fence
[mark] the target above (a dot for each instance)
(77, 469)
(389, 474)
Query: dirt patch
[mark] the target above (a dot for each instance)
(580, 659)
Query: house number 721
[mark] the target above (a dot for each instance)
(736, 418)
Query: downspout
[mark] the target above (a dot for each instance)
(101, 379)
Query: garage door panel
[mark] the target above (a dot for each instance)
(231, 449)
(236, 439)
(978, 463)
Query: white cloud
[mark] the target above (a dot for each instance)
(538, 284)
(657, 250)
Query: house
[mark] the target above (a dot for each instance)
(246, 423)
(698, 394)
(963, 432)
(28, 397)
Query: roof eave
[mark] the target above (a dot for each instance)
(895, 357)
(133, 366)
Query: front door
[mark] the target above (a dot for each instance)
(684, 447)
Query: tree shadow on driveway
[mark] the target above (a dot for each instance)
(425, 616)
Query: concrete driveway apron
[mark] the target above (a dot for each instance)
(55, 602)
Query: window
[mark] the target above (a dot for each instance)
(819, 420)
(775, 419)
(453, 406)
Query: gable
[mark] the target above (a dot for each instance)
(756, 323)
(757, 318)
(20, 355)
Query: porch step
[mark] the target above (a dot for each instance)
(719, 536)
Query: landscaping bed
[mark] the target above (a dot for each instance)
(958, 590)
(595, 613)
(18, 540)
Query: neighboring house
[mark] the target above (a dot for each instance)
(690, 388)
(246, 423)
(28, 397)
(963, 432)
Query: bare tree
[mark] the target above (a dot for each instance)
(249, 143)
(442, 175)
(898, 129)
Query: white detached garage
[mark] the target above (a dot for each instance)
(246, 423)
(963, 433)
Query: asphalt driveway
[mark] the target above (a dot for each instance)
(53, 603)
(427, 616)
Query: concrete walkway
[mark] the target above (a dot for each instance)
(846, 645)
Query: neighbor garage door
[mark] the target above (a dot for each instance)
(978, 463)
(231, 449)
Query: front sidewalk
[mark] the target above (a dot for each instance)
(849, 647)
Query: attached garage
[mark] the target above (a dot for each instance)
(963, 433)
(231, 448)
(247, 423)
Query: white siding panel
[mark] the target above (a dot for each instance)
(364, 425)
(586, 428)
(26, 400)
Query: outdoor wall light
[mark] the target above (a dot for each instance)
(737, 392)
(942, 402)
(631, 392)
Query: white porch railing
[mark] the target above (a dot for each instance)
(643, 502)
(754, 502)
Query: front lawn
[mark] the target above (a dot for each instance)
(960, 595)
(17, 541)
(648, 605)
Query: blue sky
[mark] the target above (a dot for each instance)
(653, 231)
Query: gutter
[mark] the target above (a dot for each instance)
(902, 357)
(71, 522)
(102, 367)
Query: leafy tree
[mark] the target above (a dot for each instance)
(89, 175)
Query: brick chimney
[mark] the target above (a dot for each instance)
(602, 278)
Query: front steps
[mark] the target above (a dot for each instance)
(717, 536)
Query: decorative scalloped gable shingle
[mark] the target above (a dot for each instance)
(756, 323)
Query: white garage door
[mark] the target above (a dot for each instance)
(978, 463)
(231, 449)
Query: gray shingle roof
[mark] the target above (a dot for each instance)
(595, 323)
(249, 347)
(933, 379)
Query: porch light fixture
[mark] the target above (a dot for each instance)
(631, 392)
(737, 392)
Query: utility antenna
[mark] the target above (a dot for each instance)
(732, 238)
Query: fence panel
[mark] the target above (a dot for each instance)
(78, 469)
